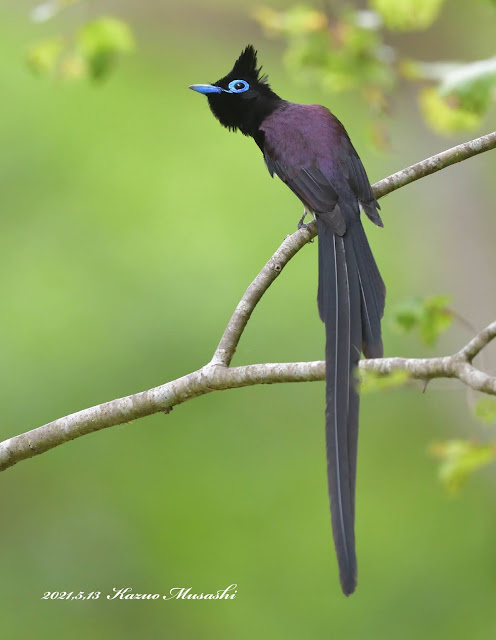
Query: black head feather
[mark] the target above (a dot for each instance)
(246, 65)
(247, 110)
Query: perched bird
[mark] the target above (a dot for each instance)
(309, 150)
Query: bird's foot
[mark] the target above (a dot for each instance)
(301, 221)
(302, 224)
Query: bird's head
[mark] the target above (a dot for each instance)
(242, 98)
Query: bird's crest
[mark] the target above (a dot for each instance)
(246, 66)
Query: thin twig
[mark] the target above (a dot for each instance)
(435, 163)
(475, 346)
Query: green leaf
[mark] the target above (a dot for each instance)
(459, 459)
(463, 95)
(43, 57)
(485, 410)
(435, 319)
(406, 316)
(431, 316)
(407, 15)
(473, 84)
(101, 42)
(371, 381)
(446, 116)
(344, 55)
(98, 45)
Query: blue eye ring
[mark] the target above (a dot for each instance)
(238, 86)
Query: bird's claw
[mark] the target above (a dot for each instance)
(303, 225)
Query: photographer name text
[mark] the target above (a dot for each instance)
(127, 593)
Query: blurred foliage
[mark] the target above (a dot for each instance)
(485, 410)
(349, 52)
(446, 114)
(463, 94)
(431, 316)
(91, 52)
(407, 15)
(101, 42)
(43, 57)
(344, 53)
(344, 56)
(371, 381)
(459, 459)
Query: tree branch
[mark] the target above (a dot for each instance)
(217, 375)
(293, 243)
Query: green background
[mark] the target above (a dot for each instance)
(130, 226)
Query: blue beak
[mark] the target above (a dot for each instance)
(205, 88)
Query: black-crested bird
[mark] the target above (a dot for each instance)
(310, 151)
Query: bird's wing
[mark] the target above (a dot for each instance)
(309, 150)
(358, 180)
(311, 186)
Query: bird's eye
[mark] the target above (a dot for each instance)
(238, 86)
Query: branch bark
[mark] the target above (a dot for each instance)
(217, 375)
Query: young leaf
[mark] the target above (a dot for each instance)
(445, 115)
(459, 459)
(344, 55)
(435, 319)
(101, 42)
(43, 57)
(406, 316)
(407, 15)
(431, 316)
(463, 95)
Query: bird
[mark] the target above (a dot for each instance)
(308, 148)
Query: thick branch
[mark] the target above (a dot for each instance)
(217, 376)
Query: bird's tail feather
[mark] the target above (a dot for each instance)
(351, 300)
(339, 301)
(372, 291)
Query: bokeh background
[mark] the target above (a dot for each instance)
(130, 226)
